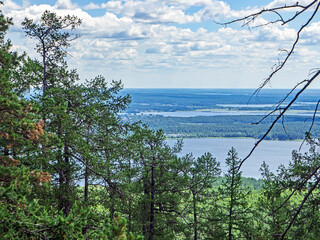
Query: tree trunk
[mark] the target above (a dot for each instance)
(195, 220)
(61, 175)
(231, 204)
(145, 208)
(86, 174)
(67, 203)
(152, 208)
(44, 62)
(86, 183)
(130, 200)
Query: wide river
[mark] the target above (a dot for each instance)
(273, 153)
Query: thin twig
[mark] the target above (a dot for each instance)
(282, 64)
(279, 116)
(300, 207)
(312, 123)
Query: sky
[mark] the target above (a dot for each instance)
(176, 43)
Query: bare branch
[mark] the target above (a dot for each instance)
(301, 185)
(284, 127)
(308, 82)
(279, 67)
(268, 115)
(312, 123)
(250, 18)
(300, 207)
(314, 116)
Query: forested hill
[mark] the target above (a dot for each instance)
(184, 99)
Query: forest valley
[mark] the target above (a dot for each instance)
(72, 168)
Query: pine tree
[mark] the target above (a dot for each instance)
(272, 217)
(53, 40)
(160, 185)
(234, 199)
(202, 173)
(24, 211)
(300, 180)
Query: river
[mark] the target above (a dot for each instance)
(273, 153)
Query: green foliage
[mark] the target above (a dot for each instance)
(301, 178)
(26, 217)
(26, 195)
(4, 26)
(227, 126)
(272, 217)
(134, 183)
(202, 174)
(52, 40)
(236, 212)
(159, 186)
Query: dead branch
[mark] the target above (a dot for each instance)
(289, 54)
(252, 17)
(285, 109)
(312, 122)
(300, 207)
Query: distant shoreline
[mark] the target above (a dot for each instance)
(285, 140)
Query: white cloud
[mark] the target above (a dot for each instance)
(115, 6)
(313, 31)
(158, 48)
(169, 11)
(214, 10)
(65, 4)
(149, 11)
(92, 6)
(25, 3)
(189, 3)
(33, 12)
(111, 26)
(276, 33)
(138, 36)
(124, 54)
(87, 56)
(101, 44)
(280, 3)
(10, 5)
(204, 46)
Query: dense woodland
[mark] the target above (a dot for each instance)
(295, 127)
(72, 168)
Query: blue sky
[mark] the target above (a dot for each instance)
(175, 43)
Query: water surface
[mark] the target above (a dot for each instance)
(273, 153)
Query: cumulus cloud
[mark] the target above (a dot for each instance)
(158, 48)
(280, 3)
(274, 33)
(168, 11)
(148, 11)
(214, 10)
(313, 31)
(92, 6)
(111, 26)
(189, 3)
(65, 4)
(154, 34)
(88, 55)
(25, 3)
(10, 5)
